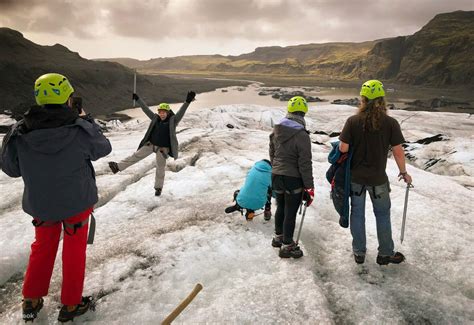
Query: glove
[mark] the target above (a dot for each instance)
(308, 196)
(135, 96)
(190, 96)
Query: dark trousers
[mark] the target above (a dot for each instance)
(288, 192)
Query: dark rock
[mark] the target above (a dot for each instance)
(331, 135)
(391, 106)
(310, 99)
(4, 128)
(288, 95)
(436, 103)
(351, 101)
(435, 138)
(117, 116)
(276, 95)
(230, 126)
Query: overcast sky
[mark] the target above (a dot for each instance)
(148, 29)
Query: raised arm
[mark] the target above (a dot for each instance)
(189, 98)
(144, 107)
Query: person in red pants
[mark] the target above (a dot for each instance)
(52, 149)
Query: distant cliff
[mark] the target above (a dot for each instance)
(441, 53)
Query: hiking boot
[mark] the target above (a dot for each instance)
(290, 250)
(267, 214)
(249, 215)
(232, 208)
(67, 313)
(359, 259)
(396, 258)
(31, 308)
(343, 222)
(157, 191)
(277, 241)
(114, 167)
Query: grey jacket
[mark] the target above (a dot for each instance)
(290, 151)
(174, 121)
(56, 167)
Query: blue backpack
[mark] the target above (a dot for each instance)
(339, 176)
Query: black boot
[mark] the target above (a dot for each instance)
(232, 208)
(82, 308)
(30, 312)
(277, 241)
(157, 191)
(114, 167)
(359, 259)
(267, 214)
(343, 222)
(290, 250)
(396, 258)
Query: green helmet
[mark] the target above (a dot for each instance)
(297, 104)
(164, 106)
(372, 89)
(52, 88)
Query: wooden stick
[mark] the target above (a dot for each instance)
(175, 313)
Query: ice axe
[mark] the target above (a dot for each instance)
(134, 85)
(301, 222)
(402, 235)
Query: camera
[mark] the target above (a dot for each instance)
(77, 104)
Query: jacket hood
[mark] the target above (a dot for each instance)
(263, 166)
(53, 140)
(286, 129)
(49, 116)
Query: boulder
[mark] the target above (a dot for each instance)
(350, 101)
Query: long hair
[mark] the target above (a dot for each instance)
(372, 112)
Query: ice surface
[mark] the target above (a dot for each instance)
(150, 252)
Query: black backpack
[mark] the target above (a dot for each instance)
(339, 176)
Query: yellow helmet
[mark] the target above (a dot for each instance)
(164, 106)
(297, 104)
(52, 88)
(372, 89)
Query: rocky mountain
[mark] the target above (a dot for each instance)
(441, 53)
(106, 87)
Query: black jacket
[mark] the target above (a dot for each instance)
(54, 162)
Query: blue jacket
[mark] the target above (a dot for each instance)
(55, 164)
(339, 176)
(253, 195)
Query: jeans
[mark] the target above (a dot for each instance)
(380, 197)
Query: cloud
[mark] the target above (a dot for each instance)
(257, 21)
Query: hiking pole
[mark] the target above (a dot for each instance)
(301, 224)
(134, 85)
(402, 235)
(175, 313)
